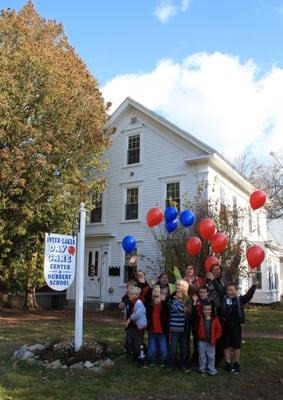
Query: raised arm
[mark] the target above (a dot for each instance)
(249, 295)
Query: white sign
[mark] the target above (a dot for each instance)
(59, 260)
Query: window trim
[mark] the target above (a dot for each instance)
(171, 179)
(125, 187)
(132, 132)
(103, 205)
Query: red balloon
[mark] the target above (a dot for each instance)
(210, 262)
(207, 228)
(257, 199)
(255, 256)
(219, 242)
(154, 216)
(193, 246)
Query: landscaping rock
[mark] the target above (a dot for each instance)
(22, 354)
(54, 365)
(88, 364)
(37, 347)
(79, 365)
(107, 363)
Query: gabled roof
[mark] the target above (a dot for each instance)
(163, 121)
(212, 156)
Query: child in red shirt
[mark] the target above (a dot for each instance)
(157, 316)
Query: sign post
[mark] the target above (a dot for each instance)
(80, 280)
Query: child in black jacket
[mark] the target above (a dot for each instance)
(233, 315)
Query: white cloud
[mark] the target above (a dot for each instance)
(215, 97)
(168, 9)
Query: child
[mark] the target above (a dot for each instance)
(209, 331)
(125, 302)
(202, 298)
(135, 324)
(178, 325)
(158, 318)
(144, 286)
(233, 316)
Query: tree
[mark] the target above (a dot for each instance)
(52, 135)
(227, 219)
(267, 176)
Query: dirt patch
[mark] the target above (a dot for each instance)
(16, 317)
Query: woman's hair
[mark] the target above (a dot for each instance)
(185, 286)
(140, 271)
(136, 291)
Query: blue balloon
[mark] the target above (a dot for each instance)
(129, 244)
(187, 218)
(171, 226)
(171, 213)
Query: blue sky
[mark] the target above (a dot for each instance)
(162, 51)
(118, 36)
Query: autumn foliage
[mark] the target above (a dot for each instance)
(52, 134)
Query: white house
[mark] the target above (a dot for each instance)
(150, 161)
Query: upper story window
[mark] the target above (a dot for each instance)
(173, 194)
(132, 204)
(133, 155)
(223, 207)
(235, 212)
(96, 212)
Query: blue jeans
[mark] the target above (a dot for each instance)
(156, 344)
(207, 358)
(180, 338)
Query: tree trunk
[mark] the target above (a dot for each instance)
(30, 299)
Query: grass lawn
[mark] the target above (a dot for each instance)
(261, 370)
(265, 318)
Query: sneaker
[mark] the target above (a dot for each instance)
(228, 367)
(202, 374)
(236, 368)
(151, 365)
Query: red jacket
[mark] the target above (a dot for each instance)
(215, 330)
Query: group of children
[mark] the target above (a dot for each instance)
(208, 309)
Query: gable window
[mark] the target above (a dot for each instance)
(132, 204)
(96, 212)
(133, 155)
(173, 194)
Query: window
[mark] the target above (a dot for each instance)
(258, 224)
(130, 267)
(133, 156)
(235, 212)
(132, 204)
(96, 212)
(258, 278)
(223, 208)
(173, 194)
(93, 264)
(250, 222)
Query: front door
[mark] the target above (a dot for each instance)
(93, 272)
